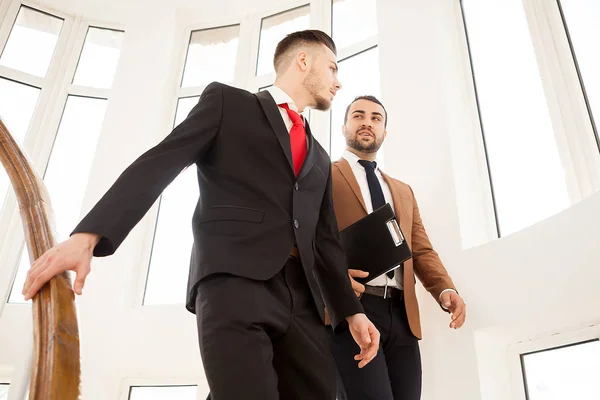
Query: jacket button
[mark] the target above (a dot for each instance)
(296, 223)
(296, 185)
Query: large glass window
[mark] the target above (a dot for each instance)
(32, 42)
(99, 57)
(67, 170)
(569, 372)
(353, 21)
(4, 391)
(17, 103)
(275, 28)
(173, 239)
(526, 171)
(359, 75)
(163, 393)
(581, 21)
(211, 56)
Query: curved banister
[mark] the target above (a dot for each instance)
(55, 373)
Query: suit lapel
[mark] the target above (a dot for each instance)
(274, 117)
(399, 206)
(348, 175)
(310, 159)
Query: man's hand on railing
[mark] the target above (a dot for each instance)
(74, 254)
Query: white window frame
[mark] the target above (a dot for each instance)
(42, 131)
(128, 383)
(547, 342)
(568, 111)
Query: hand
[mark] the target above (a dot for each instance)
(358, 288)
(366, 336)
(457, 307)
(74, 254)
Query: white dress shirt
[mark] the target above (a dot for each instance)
(281, 97)
(361, 178)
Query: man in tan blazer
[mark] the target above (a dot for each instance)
(359, 187)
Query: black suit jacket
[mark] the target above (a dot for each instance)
(252, 208)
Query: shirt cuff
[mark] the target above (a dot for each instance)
(440, 298)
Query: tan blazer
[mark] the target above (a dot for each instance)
(426, 264)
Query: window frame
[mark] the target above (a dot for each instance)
(55, 89)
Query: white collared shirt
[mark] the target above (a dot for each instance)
(281, 97)
(361, 178)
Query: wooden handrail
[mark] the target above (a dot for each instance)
(55, 371)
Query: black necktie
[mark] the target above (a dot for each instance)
(377, 198)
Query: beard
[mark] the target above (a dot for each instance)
(313, 87)
(357, 144)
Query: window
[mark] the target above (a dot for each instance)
(32, 42)
(173, 239)
(211, 56)
(4, 391)
(98, 61)
(526, 171)
(17, 104)
(580, 18)
(359, 75)
(353, 21)
(163, 393)
(77, 135)
(569, 372)
(275, 28)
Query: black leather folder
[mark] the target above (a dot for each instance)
(375, 244)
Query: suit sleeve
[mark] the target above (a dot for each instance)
(138, 187)
(331, 268)
(426, 261)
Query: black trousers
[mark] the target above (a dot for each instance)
(395, 373)
(264, 340)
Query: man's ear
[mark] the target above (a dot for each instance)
(302, 60)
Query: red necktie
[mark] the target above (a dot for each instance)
(297, 138)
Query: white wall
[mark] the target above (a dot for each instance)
(533, 283)
(537, 282)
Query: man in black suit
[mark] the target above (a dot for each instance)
(266, 258)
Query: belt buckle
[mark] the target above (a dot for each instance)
(385, 291)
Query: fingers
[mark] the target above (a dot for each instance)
(357, 287)
(38, 278)
(458, 316)
(32, 276)
(356, 273)
(369, 345)
(81, 274)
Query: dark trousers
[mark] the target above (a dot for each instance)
(395, 373)
(264, 340)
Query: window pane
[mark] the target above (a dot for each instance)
(67, 173)
(353, 21)
(275, 28)
(24, 264)
(4, 391)
(211, 56)
(173, 239)
(526, 170)
(565, 373)
(99, 58)
(163, 393)
(581, 18)
(359, 75)
(31, 42)
(17, 103)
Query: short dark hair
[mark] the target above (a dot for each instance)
(310, 36)
(369, 98)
